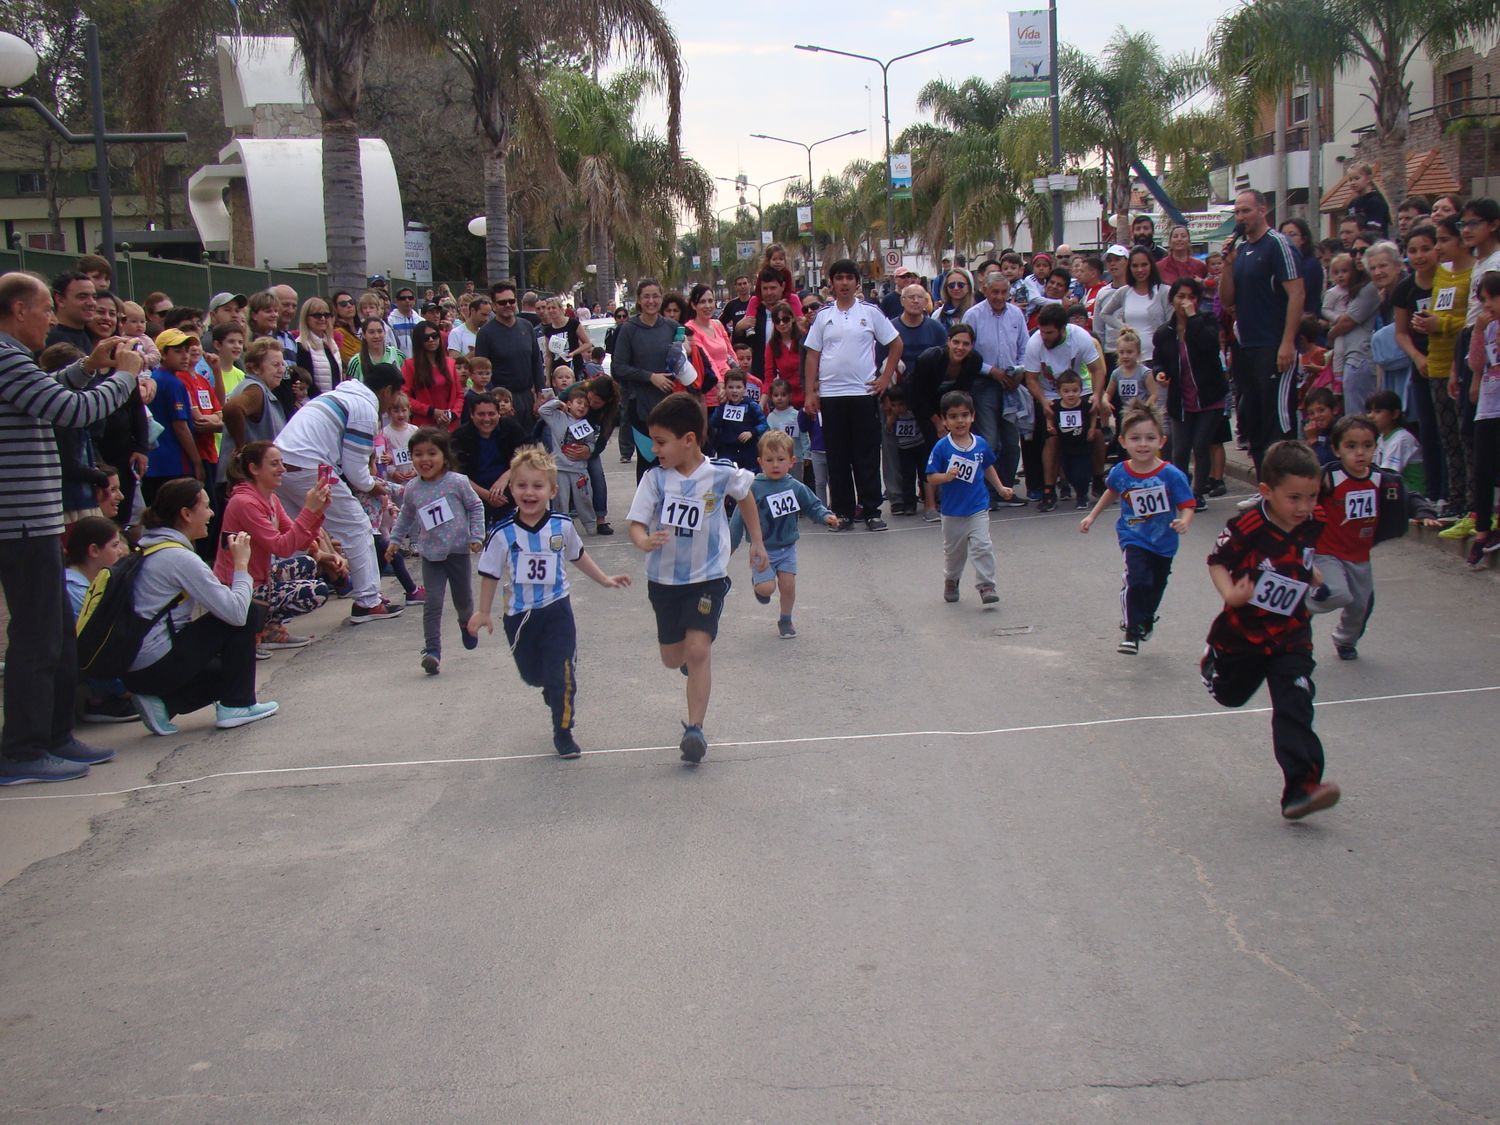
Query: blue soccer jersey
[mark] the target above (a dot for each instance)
(1148, 505)
(531, 560)
(692, 509)
(966, 494)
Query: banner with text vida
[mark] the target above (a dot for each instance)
(1030, 55)
(900, 175)
(804, 220)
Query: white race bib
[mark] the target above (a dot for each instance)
(581, 430)
(783, 504)
(1359, 505)
(1491, 353)
(204, 401)
(535, 568)
(963, 469)
(1127, 389)
(685, 513)
(734, 413)
(1150, 500)
(906, 429)
(436, 514)
(1278, 594)
(1443, 300)
(791, 431)
(1070, 419)
(400, 456)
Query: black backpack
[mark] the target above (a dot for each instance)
(110, 632)
(1391, 517)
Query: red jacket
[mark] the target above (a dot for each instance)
(272, 532)
(788, 366)
(446, 393)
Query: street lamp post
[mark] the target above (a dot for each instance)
(812, 206)
(885, 86)
(743, 185)
(18, 63)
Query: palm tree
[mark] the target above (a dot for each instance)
(505, 46)
(1118, 102)
(1265, 46)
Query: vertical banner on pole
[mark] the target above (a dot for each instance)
(713, 255)
(1030, 55)
(900, 175)
(697, 261)
(804, 220)
(744, 251)
(766, 238)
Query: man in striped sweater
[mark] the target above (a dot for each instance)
(37, 742)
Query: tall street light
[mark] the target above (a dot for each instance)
(812, 206)
(885, 85)
(745, 185)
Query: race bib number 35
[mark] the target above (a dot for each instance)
(1359, 505)
(1149, 501)
(1278, 594)
(963, 469)
(685, 513)
(535, 568)
(783, 504)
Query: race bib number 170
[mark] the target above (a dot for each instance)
(684, 513)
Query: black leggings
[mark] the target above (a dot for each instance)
(210, 661)
(1193, 436)
(1486, 462)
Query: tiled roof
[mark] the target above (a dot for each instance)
(1427, 173)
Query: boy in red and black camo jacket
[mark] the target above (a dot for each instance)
(1262, 566)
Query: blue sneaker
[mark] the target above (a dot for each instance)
(153, 713)
(693, 744)
(81, 753)
(227, 718)
(471, 640)
(49, 767)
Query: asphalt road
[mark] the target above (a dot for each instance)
(856, 910)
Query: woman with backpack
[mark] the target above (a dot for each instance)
(200, 646)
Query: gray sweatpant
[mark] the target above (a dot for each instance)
(963, 536)
(438, 576)
(1351, 588)
(573, 488)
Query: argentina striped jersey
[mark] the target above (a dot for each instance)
(532, 561)
(692, 509)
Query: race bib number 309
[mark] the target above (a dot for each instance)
(963, 469)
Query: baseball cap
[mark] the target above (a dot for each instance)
(1117, 251)
(378, 280)
(431, 306)
(219, 300)
(172, 338)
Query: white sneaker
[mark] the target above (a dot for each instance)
(1249, 502)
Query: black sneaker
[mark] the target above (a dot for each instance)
(683, 668)
(1200, 504)
(875, 523)
(431, 664)
(1064, 490)
(471, 640)
(604, 529)
(785, 629)
(1083, 505)
(1048, 502)
(693, 744)
(562, 741)
(115, 709)
(1130, 643)
(845, 523)
(1346, 652)
(1016, 501)
(385, 611)
(1311, 798)
(1217, 488)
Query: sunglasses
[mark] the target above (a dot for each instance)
(958, 285)
(325, 314)
(783, 320)
(345, 303)
(502, 304)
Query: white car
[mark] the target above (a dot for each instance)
(596, 330)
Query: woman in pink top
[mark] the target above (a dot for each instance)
(710, 338)
(287, 587)
(437, 397)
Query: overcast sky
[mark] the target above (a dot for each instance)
(744, 77)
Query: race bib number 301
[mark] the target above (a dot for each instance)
(783, 504)
(1278, 594)
(1149, 501)
(963, 469)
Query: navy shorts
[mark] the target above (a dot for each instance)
(696, 605)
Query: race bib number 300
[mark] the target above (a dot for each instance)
(783, 504)
(1149, 501)
(684, 513)
(964, 469)
(1278, 594)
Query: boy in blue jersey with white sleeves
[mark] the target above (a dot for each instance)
(526, 551)
(780, 498)
(678, 518)
(1156, 510)
(960, 466)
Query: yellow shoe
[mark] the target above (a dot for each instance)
(1463, 529)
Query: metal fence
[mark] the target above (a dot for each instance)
(187, 283)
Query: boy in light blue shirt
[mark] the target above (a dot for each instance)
(961, 464)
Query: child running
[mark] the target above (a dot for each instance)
(1262, 566)
(960, 466)
(526, 550)
(781, 498)
(1350, 497)
(678, 519)
(440, 506)
(1156, 509)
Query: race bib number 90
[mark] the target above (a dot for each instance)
(1278, 594)
(535, 568)
(964, 469)
(1070, 419)
(1359, 505)
(1149, 501)
(783, 504)
(684, 513)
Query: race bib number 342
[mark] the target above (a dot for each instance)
(783, 504)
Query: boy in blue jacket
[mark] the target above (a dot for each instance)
(736, 423)
(780, 498)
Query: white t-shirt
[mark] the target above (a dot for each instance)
(1398, 449)
(1074, 352)
(693, 509)
(1488, 264)
(1139, 312)
(460, 339)
(845, 341)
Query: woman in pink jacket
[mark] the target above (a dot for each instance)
(437, 397)
(285, 577)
